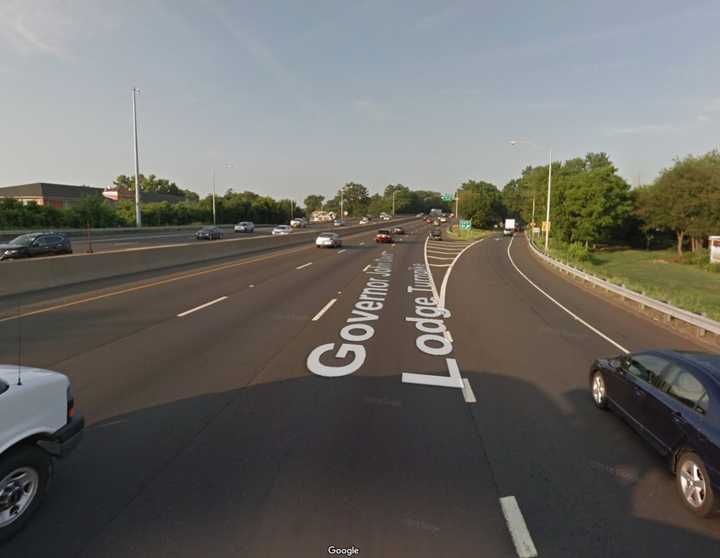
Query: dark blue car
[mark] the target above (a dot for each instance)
(672, 398)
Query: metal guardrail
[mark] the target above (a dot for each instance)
(702, 323)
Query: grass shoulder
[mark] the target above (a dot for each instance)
(659, 274)
(472, 234)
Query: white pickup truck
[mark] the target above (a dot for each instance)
(37, 423)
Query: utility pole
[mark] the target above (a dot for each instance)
(213, 197)
(547, 217)
(342, 203)
(393, 212)
(138, 215)
(292, 209)
(457, 209)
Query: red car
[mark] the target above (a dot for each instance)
(383, 235)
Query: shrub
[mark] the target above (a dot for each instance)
(578, 252)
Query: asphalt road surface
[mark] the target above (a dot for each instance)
(282, 404)
(126, 240)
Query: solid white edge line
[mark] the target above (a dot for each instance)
(201, 306)
(575, 316)
(303, 265)
(515, 521)
(468, 393)
(443, 287)
(324, 309)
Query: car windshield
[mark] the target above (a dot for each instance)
(23, 240)
(419, 391)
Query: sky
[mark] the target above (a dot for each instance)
(295, 98)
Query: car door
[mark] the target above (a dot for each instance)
(38, 247)
(629, 387)
(675, 408)
(54, 244)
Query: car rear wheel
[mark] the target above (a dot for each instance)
(24, 476)
(598, 388)
(694, 484)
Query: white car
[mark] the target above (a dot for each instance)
(245, 226)
(281, 230)
(364, 221)
(298, 223)
(443, 219)
(38, 422)
(328, 240)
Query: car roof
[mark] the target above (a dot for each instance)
(709, 363)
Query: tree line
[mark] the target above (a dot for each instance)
(230, 207)
(591, 204)
(357, 200)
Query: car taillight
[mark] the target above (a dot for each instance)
(70, 404)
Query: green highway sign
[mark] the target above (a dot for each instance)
(448, 197)
(465, 224)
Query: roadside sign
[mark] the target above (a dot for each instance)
(465, 224)
(448, 197)
(546, 225)
(714, 242)
(536, 230)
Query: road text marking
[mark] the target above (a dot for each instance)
(324, 309)
(468, 393)
(303, 265)
(343, 250)
(202, 306)
(518, 529)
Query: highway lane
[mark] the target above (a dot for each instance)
(210, 435)
(124, 240)
(159, 399)
(588, 485)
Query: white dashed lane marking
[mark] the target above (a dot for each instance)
(324, 309)
(183, 314)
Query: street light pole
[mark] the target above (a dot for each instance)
(457, 209)
(138, 214)
(547, 217)
(549, 190)
(342, 203)
(394, 192)
(213, 197)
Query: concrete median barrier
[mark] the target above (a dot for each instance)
(23, 276)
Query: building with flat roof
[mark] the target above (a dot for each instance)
(62, 196)
(46, 193)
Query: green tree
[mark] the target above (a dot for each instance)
(685, 199)
(356, 200)
(592, 201)
(93, 211)
(313, 202)
(481, 202)
(152, 183)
